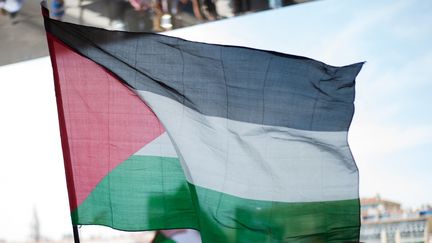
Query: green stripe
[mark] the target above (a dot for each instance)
(143, 192)
(148, 193)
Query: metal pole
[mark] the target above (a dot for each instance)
(75, 234)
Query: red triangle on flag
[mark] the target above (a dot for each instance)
(102, 121)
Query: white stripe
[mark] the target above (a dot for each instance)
(161, 146)
(255, 161)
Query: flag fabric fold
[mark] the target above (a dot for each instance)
(244, 145)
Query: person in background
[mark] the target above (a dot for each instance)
(188, 13)
(11, 7)
(140, 5)
(275, 3)
(225, 8)
(208, 9)
(58, 10)
(158, 12)
(131, 15)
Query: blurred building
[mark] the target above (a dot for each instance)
(384, 221)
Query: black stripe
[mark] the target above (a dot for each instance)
(237, 83)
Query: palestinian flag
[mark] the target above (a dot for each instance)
(244, 145)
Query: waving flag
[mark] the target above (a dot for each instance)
(244, 145)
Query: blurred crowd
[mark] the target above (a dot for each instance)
(164, 15)
(154, 15)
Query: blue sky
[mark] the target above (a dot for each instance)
(391, 134)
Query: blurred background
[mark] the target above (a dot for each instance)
(22, 31)
(390, 136)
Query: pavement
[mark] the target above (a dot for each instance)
(23, 37)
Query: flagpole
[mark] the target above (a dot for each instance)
(65, 146)
(75, 234)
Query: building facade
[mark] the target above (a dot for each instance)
(384, 221)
